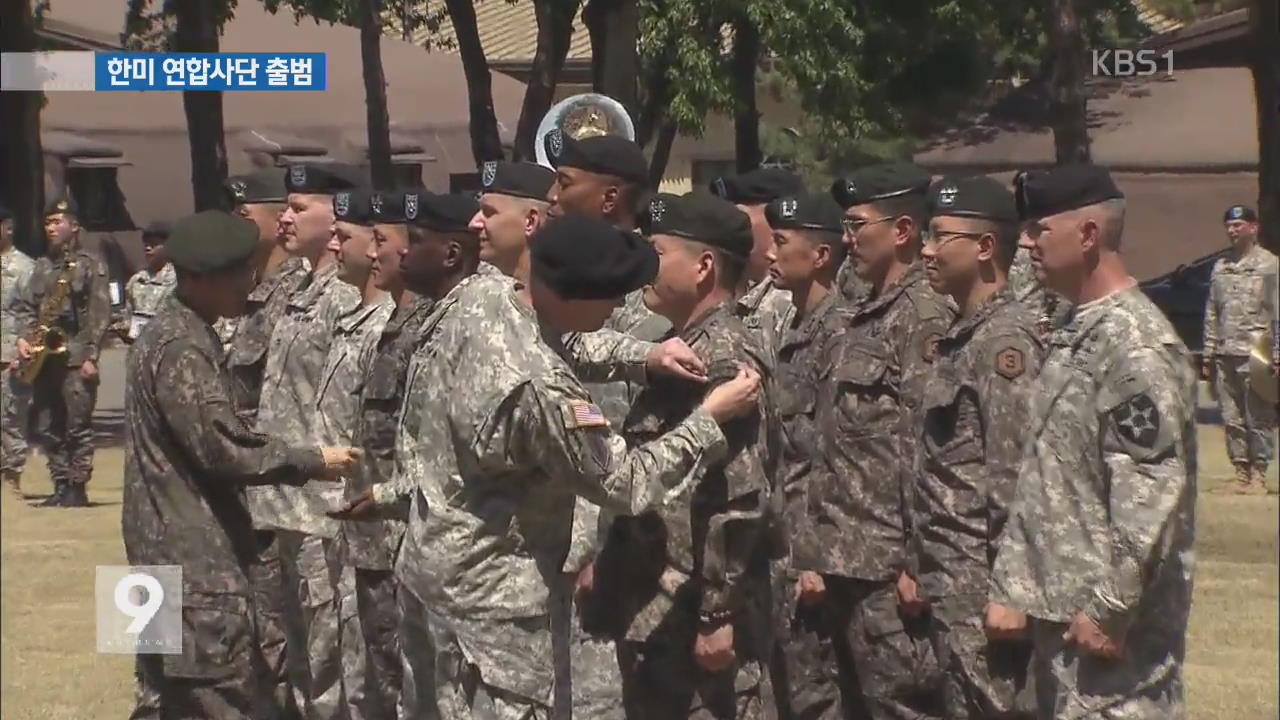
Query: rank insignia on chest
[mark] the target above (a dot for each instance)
(1011, 363)
(586, 415)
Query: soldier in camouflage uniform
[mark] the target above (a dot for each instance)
(338, 406)
(600, 177)
(975, 419)
(809, 251)
(65, 391)
(484, 561)
(291, 381)
(1244, 302)
(685, 587)
(869, 417)
(1097, 550)
(762, 305)
(260, 199)
(148, 288)
(15, 396)
(188, 457)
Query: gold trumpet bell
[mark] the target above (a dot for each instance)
(1262, 377)
(583, 116)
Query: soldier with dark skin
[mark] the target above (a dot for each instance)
(868, 415)
(188, 456)
(65, 391)
(808, 254)
(975, 419)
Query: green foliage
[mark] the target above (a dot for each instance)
(149, 25)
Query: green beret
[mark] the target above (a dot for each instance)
(210, 241)
(1041, 193)
(879, 182)
(805, 211)
(978, 197)
(702, 217)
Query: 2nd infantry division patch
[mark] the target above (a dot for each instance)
(1011, 363)
(1138, 421)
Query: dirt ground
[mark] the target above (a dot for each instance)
(50, 670)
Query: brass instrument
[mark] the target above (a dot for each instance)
(1262, 379)
(583, 116)
(47, 339)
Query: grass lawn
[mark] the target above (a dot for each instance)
(50, 670)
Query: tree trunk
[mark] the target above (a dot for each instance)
(1264, 61)
(22, 173)
(555, 30)
(615, 62)
(197, 31)
(1067, 103)
(746, 118)
(485, 142)
(594, 18)
(657, 93)
(375, 95)
(661, 154)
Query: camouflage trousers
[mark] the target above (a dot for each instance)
(492, 669)
(62, 405)
(1249, 421)
(218, 676)
(662, 680)
(1145, 684)
(980, 679)
(280, 635)
(892, 673)
(372, 643)
(595, 681)
(805, 663)
(15, 404)
(417, 659)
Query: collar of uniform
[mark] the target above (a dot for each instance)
(754, 297)
(809, 325)
(417, 309)
(166, 276)
(697, 326)
(320, 281)
(914, 275)
(965, 326)
(362, 313)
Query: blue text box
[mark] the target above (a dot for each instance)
(224, 72)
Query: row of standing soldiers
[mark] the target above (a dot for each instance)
(832, 461)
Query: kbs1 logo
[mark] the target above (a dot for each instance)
(1131, 63)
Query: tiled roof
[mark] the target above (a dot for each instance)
(509, 32)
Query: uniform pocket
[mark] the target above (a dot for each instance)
(217, 637)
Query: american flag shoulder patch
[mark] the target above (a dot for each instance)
(583, 414)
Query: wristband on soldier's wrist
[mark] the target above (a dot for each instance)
(712, 619)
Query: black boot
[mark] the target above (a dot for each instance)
(58, 497)
(76, 496)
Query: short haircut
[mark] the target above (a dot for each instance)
(833, 240)
(913, 205)
(632, 195)
(729, 268)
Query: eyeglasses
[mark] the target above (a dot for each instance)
(938, 240)
(854, 226)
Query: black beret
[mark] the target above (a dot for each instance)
(441, 213)
(388, 207)
(5, 212)
(878, 182)
(354, 206)
(517, 179)
(210, 241)
(262, 186)
(805, 211)
(602, 154)
(324, 178)
(758, 186)
(1041, 193)
(583, 258)
(702, 217)
(158, 230)
(61, 206)
(1240, 212)
(978, 197)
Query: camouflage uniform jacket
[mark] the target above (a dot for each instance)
(188, 457)
(766, 310)
(250, 334)
(496, 438)
(372, 544)
(704, 547)
(290, 392)
(1243, 299)
(1103, 519)
(975, 419)
(143, 295)
(868, 415)
(800, 364)
(1050, 308)
(15, 273)
(86, 313)
(852, 288)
